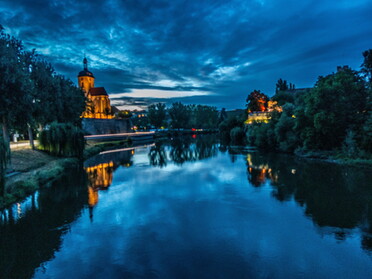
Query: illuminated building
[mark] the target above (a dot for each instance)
(98, 102)
(258, 117)
(263, 116)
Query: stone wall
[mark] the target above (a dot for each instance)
(106, 126)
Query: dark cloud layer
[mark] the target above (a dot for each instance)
(220, 49)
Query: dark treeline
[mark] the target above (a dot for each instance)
(334, 115)
(180, 116)
(33, 95)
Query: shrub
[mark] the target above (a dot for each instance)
(62, 139)
(237, 135)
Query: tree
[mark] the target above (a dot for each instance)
(156, 114)
(222, 115)
(205, 117)
(4, 160)
(281, 85)
(180, 115)
(14, 82)
(367, 65)
(336, 104)
(257, 101)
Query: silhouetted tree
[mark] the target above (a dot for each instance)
(180, 115)
(156, 114)
(257, 101)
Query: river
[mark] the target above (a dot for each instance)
(192, 208)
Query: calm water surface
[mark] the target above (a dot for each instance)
(192, 209)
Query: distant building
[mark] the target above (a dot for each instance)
(98, 104)
(263, 116)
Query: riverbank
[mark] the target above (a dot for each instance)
(32, 169)
(335, 158)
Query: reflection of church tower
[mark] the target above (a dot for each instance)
(98, 104)
(99, 177)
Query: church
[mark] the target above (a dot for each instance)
(98, 101)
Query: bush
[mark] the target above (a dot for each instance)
(62, 139)
(237, 135)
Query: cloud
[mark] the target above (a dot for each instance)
(227, 48)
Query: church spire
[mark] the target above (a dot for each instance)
(85, 62)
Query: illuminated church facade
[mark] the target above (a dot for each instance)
(98, 101)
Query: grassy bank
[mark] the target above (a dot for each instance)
(32, 169)
(33, 177)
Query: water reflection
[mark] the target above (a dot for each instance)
(183, 149)
(100, 171)
(337, 198)
(221, 224)
(31, 235)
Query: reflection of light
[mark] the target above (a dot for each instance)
(100, 175)
(293, 171)
(126, 149)
(92, 196)
(132, 152)
(19, 210)
(121, 134)
(194, 136)
(249, 159)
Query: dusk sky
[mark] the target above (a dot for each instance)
(209, 52)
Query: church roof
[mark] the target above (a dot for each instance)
(98, 91)
(85, 73)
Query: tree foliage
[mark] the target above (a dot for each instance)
(62, 139)
(257, 101)
(367, 65)
(333, 115)
(4, 160)
(282, 85)
(156, 114)
(179, 115)
(205, 117)
(33, 95)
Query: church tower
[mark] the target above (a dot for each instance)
(86, 78)
(98, 102)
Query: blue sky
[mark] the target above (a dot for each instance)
(209, 52)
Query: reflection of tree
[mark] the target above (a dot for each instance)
(184, 150)
(333, 196)
(28, 242)
(181, 151)
(157, 155)
(206, 147)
